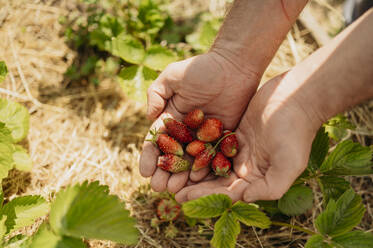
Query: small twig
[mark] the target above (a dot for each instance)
(257, 237)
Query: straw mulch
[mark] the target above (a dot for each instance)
(83, 132)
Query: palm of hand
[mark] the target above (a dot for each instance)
(275, 141)
(207, 82)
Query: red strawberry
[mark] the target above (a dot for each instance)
(195, 147)
(168, 210)
(194, 119)
(221, 165)
(166, 143)
(210, 130)
(203, 159)
(229, 145)
(178, 130)
(173, 163)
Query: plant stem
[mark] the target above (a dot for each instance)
(277, 223)
(221, 139)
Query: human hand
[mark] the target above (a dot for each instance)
(209, 82)
(275, 137)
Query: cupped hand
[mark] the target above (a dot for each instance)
(209, 82)
(275, 137)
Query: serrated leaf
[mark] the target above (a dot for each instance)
(348, 158)
(16, 118)
(3, 71)
(45, 238)
(271, 207)
(341, 216)
(226, 230)
(208, 206)
(135, 81)
(319, 150)
(355, 239)
(2, 227)
(296, 201)
(337, 127)
(6, 159)
(23, 211)
(158, 57)
(332, 187)
(316, 241)
(128, 48)
(250, 215)
(89, 211)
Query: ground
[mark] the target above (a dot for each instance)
(83, 132)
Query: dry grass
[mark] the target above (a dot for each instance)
(82, 132)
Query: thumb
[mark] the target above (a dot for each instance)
(158, 94)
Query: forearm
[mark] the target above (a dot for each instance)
(253, 31)
(338, 75)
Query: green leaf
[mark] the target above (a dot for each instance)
(89, 211)
(207, 207)
(319, 150)
(135, 81)
(226, 230)
(158, 57)
(1, 197)
(6, 159)
(355, 239)
(21, 158)
(348, 158)
(316, 241)
(336, 127)
(15, 117)
(341, 216)
(332, 187)
(3, 71)
(250, 215)
(128, 48)
(5, 134)
(45, 238)
(2, 227)
(150, 17)
(296, 201)
(271, 207)
(23, 211)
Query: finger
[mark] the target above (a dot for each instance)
(278, 179)
(159, 180)
(197, 176)
(234, 191)
(148, 159)
(162, 89)
(177, 181)
(182, 195)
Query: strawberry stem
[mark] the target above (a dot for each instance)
(222, 138)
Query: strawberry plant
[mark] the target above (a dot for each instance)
(121, 34)
(342, 211)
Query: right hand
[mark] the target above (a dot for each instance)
(209, 82)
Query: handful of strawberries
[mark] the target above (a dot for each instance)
(204, 139)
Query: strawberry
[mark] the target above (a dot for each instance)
(178, 130)
(173, 163)
(203, 159)
(210, 130)
(221, 165)
(229, 145)
(194, 119)
(166, 143)
(168, 210)
(195, 147)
